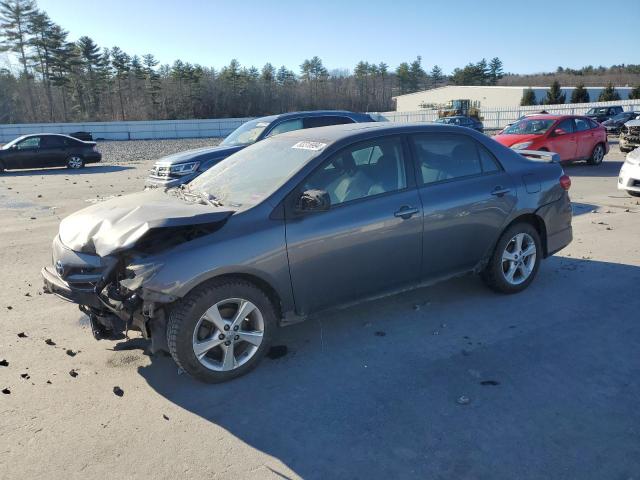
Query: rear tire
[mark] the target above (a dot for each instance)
(208, 320)
(75, 162)
(515, 260)
(633, 194)
(597, 155)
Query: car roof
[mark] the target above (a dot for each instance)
(315, 113)
(48, 135)
(335, 133)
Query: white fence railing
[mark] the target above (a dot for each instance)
(498, 117)
(493, 118)
(157, 129)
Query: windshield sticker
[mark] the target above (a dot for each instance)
(315, 146)
(262, 124)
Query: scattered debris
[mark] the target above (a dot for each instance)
(118, 391)
(71, 353)
(4, 363)
(490, 382)
(26, 376)
(73, 373)
(49, 382)
(27, 294)
(9, 307)
(39, 196)
(277, 351)
(6, 391)
(165, 417)
(609, 228)
(463, 400)
(32, 218)
(22, 335)
(380, 333)
(48, 341)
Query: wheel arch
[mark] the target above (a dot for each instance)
(254, 279)
(537, 222)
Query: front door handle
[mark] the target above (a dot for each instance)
(406, 212)
(500, 191)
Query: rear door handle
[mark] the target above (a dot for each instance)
(500, 191)
(406, 212)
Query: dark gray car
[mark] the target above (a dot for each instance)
(182, 167)
(303, 222)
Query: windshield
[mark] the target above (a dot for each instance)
(245, 134)
(529, 126)
(7, 146)
(597, 111)
(249, 176)
(622, 117)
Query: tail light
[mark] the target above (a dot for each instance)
(95, 148)
(565, 182)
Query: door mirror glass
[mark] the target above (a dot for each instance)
(313, 201)
(558, 132)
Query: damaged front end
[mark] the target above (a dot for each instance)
(104, 255)
(630, 136)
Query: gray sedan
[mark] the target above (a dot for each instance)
(303, 222)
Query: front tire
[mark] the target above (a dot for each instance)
(75, 162)
(221, 329)
(597, 155)
(633, 194)
(515, 260)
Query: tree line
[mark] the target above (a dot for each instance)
(60, 80)
(579, 94)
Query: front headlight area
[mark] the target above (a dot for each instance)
(521, 146)
(179, 170)
(137, 274)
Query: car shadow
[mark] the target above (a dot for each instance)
(91, 169)
(608, 168)
(449, 381)
(578, 208)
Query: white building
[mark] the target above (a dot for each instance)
(487, 97)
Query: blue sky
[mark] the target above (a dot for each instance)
(528, 36)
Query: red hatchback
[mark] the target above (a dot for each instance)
(572, 137)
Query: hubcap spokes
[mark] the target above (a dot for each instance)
(519, 258)
(228, 334)
(75, 162)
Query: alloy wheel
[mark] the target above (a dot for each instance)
(598, 154)
(519, 259)
(228, 334)
(74, 162)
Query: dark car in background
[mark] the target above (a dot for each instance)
(463, 121)
(303, 222)
(614, 124)
(182, 167)
(600, 114)
(47, 150)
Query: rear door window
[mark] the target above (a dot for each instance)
(325, 121)
(448, 157)
(566, 125)
(53, 142)
(582, 124)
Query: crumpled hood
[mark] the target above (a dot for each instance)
(508, 139)
(200, 154)
(117, 224)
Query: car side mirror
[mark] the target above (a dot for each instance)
(311, 201)
(559, 132)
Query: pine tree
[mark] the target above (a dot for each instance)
(555, 95)
(609, 94)
(580, 94)
(90, 60)
(495, 70)
(436, 75)
(121, 63)
(528, 97)
(416, 75)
